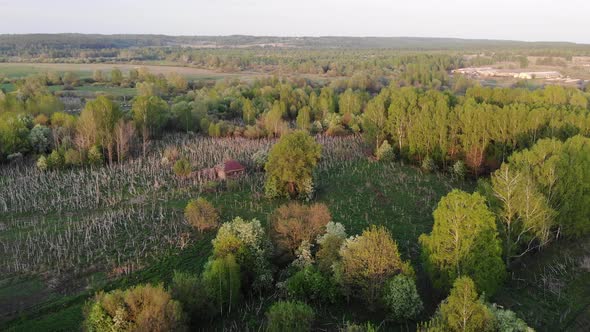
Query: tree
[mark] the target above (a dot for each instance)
(463, 242)
(177, 82)
(97, 76)
(374, 121)
(201, 214)
(249, 112)
(247, 241)
(124, 134)
(289, 316)
(40, 139)
(183, 114)
(463, 311)
(526, 219)
(304, 118)
(309, 284)
(367, 261)
(149, 115)
(221, 280)
(96, 125)
(116, 76)
(401, 298)
(573, 187)
(290, 166)
(187, 289)
(385, 152)
(294, 223)
(141, 308)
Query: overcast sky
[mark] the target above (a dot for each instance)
(531, 20)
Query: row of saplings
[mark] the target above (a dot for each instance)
(308, 261)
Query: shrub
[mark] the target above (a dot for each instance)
(201, 214)
(353, 327)
(72, 158)
(141, 308)
(385, 152)
(459, 170)
(42, 163)
(310, 284)
(171, 154)
(40, 139)
(55, 160)
(259, 158)
(95, 156)
(401, 298)
(506, 321)
(428, 165)
(289, 316)
(182, 168)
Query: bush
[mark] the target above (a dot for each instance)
(385, 152)
(42, 163)
(428, 165)
(72, 158)
(401, 298)
(95, 156)
(507, 321)
(259, 158)
(201, 214)
(353, 327)
(182, 168)
(40, 139)
(459, 169)
(289, 316)
(55, 160)
(141, 308)
(310, 284)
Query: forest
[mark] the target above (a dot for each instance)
(337, 184)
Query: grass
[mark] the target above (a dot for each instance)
(358, 194)
(551, 289)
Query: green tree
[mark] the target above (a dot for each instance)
(304, 118)
(463, 311)
(367, 261)
(149, 115)
(401, 298)
(289, 316)
(96, 125)
(221, 280)
(525, 217)
(290, 166)
(116, 76)
(463, 242)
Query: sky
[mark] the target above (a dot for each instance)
(529, 20)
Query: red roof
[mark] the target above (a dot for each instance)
(232, 166)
